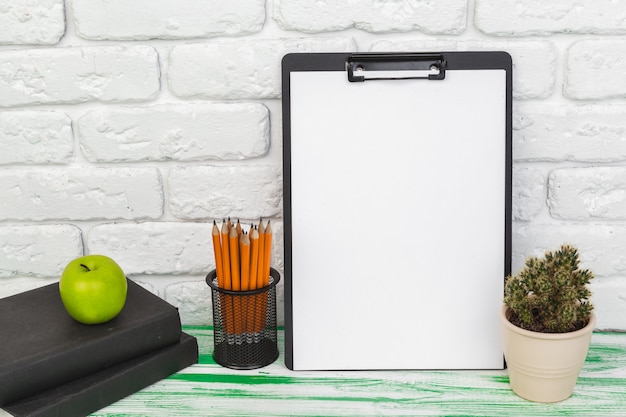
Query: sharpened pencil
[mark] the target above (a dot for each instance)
(268, 254)
(217, 251)
(261, 267)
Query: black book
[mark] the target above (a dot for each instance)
(42, 347)
(93, 392)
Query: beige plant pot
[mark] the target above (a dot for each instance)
(544, 367)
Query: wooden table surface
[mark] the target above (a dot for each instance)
(207, 389)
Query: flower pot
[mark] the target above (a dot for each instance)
(544, 367)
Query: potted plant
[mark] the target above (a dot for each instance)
(547, 321)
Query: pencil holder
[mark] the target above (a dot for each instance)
(244, 324)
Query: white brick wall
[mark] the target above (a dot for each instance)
(35, 137)
(532, 17)
(181, 246)
(528, 193)
(182, 132)
(29, 22)
(72, 75)
(38, 250)
(141, 19)
(588, 62)
(217, 192)
(312, 16)
(127, 133)
(80, 193)
(588, 193)
(554, 132)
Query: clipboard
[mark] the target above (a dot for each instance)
(397, 209)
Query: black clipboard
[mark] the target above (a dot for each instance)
(397, 209)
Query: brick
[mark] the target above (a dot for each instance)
(193, 300)
(529, 194)
(239, 70)
(595, 69)
(587, 193)
(531, 17)
(35, 137)
(312, 16)
(601, 246)
(219, 131)
(40, 22)
(155, 248)
(167, 19)
(75, 75)
(534, 62)
(559, 132)
(38, 251)
(80, 193)
(217, 192)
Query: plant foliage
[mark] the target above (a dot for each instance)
(550, 294)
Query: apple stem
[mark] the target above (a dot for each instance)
(85, 266)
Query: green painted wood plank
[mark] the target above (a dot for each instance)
(208, 389)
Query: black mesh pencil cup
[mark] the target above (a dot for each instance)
(244, 324)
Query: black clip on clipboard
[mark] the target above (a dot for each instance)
(405, 66)
(397, 209)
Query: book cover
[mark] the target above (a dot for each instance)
(42, 346)
(95, 391)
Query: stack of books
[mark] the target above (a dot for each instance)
(51, 365)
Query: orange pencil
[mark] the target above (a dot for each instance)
(260, 266)
(238, 228)
(261, 300)
(225, 299)
(226, 257)
(235, 279)
(217, 251)
(244, 255)
(254, 257)
(268, 254)
(235, 276)
(254, 267)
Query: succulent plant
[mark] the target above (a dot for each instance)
(550, 294)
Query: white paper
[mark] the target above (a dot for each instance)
(398, 221)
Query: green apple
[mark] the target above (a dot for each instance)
(93, 289)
